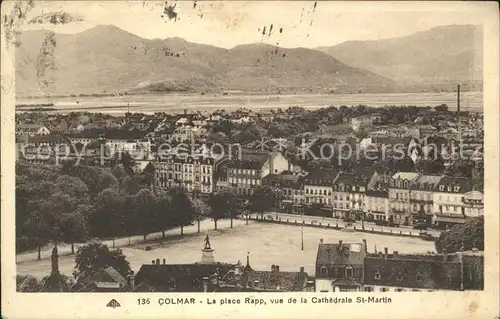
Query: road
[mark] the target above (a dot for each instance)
(341, 223)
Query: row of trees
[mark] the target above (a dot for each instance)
(73, 203)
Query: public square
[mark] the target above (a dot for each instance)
(267, 244)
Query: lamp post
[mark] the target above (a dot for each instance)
(302, 235)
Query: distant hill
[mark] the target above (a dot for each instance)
(439, 55)
(108, 59)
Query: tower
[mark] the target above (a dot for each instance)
(207, 256)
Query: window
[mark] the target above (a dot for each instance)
(419, 277)
(348, 272)
(441, 187)
(323, 271)
(400, 289)
(377, 275)
(383, 289)
(400, 276)
(369, 289)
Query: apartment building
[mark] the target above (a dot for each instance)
(399, 197)
(318, 187)
(421, 196)
(194, 173)
(377, 204)
(455, 199)
(244, 174)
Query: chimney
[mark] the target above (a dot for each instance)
(340, 243)
(153, 262)
(386, 250)
(273, 268)
(277, 268)
(164, 261)
(271, 163)
(205, 284)
(157, 261)
(366, 247)
(395, 253)
(321, 241)
(301, 269)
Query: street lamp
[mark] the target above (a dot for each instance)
(302, 235)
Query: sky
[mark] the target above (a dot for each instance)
(227, 24)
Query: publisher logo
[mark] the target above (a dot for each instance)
(113, 304)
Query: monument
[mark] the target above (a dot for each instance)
(207, 256)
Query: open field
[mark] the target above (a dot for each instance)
(267, 244)
(177, 103)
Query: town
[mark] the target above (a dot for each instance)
(397, 171)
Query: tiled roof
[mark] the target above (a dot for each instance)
(464, 184)
(377, 193)
(423, 274)
(274, 280)
(187, 277)
(410, 176)
(51, 138)
(340, 254)
(99, 280)
(250, 160)
(360, 178)
(322, 176)
(429, 181)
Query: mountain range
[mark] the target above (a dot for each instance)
(439, 55)
(108, 59)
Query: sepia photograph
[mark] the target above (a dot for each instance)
(228, 148)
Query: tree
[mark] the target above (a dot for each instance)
(28, 284)
(106, 180)
(261, 200)
(73, 228)
(119, 172)
(144, 210)
(441, 108)
(467, 236)
(73, 186)
(429, 166)
(163, 212)
(38, 230)
(221, 206)
(108, 217)
(96, 256)
(183, 212)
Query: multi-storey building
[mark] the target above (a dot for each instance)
(318, 187)
(350, 267)
(377, 204)
(421, 205)
(454, 199)
(194, 173)
(341, 200)
(285, 185)
(398, 273)
(244, 174)
(399, 197)
(339, 267)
